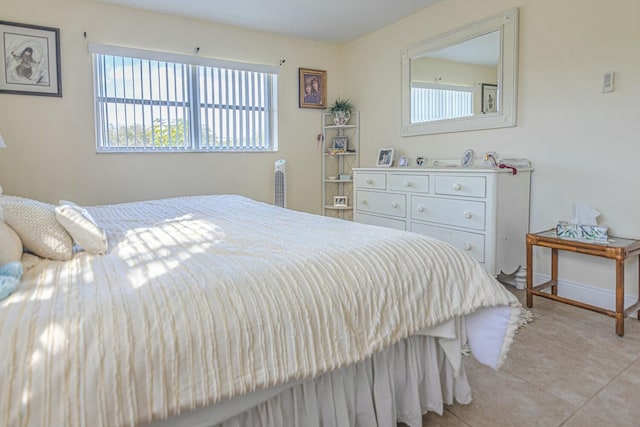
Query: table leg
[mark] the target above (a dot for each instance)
(554, 271)
(530, 275)
(638, 312)
(620, 297)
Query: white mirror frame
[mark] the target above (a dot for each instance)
(507, 24)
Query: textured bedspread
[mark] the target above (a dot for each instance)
(205, 298)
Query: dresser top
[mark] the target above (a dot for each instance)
(432, 169)
(445, 165)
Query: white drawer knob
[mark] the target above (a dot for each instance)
(363, 201)
(466, 246)
(457, 187)
(420, 209)
(407, 184)
(467, 214)
(394, 205)
(369, 181)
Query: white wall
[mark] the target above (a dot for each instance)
(51, 141)
(584, 145)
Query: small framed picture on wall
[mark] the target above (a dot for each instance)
(31, 61)
(489, 98)
(312, 88)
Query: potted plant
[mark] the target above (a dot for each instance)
(341, 110)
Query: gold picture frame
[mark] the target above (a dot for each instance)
(312, 88)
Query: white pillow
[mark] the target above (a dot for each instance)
(82, 227)
(35, 223)
(10, 243)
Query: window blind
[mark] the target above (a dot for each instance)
(439, 102)
(154, 101)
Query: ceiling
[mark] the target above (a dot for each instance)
(481, 50)
(333, 21)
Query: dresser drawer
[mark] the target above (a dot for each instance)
(381, 203)
(460, 213)
(413, 183)
(376, 181)
(470, 243)
(467, 186)
(398, 224)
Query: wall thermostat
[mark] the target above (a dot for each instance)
(608, 82)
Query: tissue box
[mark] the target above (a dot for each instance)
(584, 232)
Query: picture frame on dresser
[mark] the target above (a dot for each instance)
(385, 158)
(467, 158)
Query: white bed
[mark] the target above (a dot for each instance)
(220, 309)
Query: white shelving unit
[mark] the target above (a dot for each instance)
(336, 163)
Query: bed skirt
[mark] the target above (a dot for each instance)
(398, 384)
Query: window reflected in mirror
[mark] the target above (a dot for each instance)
(447, 83)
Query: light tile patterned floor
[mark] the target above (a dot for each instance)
(567, 368)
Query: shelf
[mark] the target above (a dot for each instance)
(338, 208)
(339, 163)
(341, 126)
(348, 153)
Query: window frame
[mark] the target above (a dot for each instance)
(193, 64)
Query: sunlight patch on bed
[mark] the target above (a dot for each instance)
(155, 251)
(54, 339)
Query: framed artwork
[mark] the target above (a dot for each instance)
(489, 98)
(312, 88)
(340, 201)
(30, 60)
(340, 143)
(385, 157)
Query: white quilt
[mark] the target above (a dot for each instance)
(205, 298)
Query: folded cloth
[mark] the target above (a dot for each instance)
(10, 275)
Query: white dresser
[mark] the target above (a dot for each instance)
(484, 212)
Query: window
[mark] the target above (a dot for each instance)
(151, 101)
(439, 102)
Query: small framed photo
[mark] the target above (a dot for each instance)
(340, 201)
(340, 143)
(467, 158)
(403, 161)
(385, 157)
(420, 161)
(489, 98)
(30, 64)
(312, 88)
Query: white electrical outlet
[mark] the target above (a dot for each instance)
(608, 82)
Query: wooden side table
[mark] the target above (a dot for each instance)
(616, 248)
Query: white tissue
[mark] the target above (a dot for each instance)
(584, 215)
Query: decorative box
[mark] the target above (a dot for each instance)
(596, 233)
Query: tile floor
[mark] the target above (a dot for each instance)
(566, 368)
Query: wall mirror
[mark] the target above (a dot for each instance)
(462, 80)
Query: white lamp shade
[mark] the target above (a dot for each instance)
(2, 144)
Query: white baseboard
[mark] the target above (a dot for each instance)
(587, 294)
